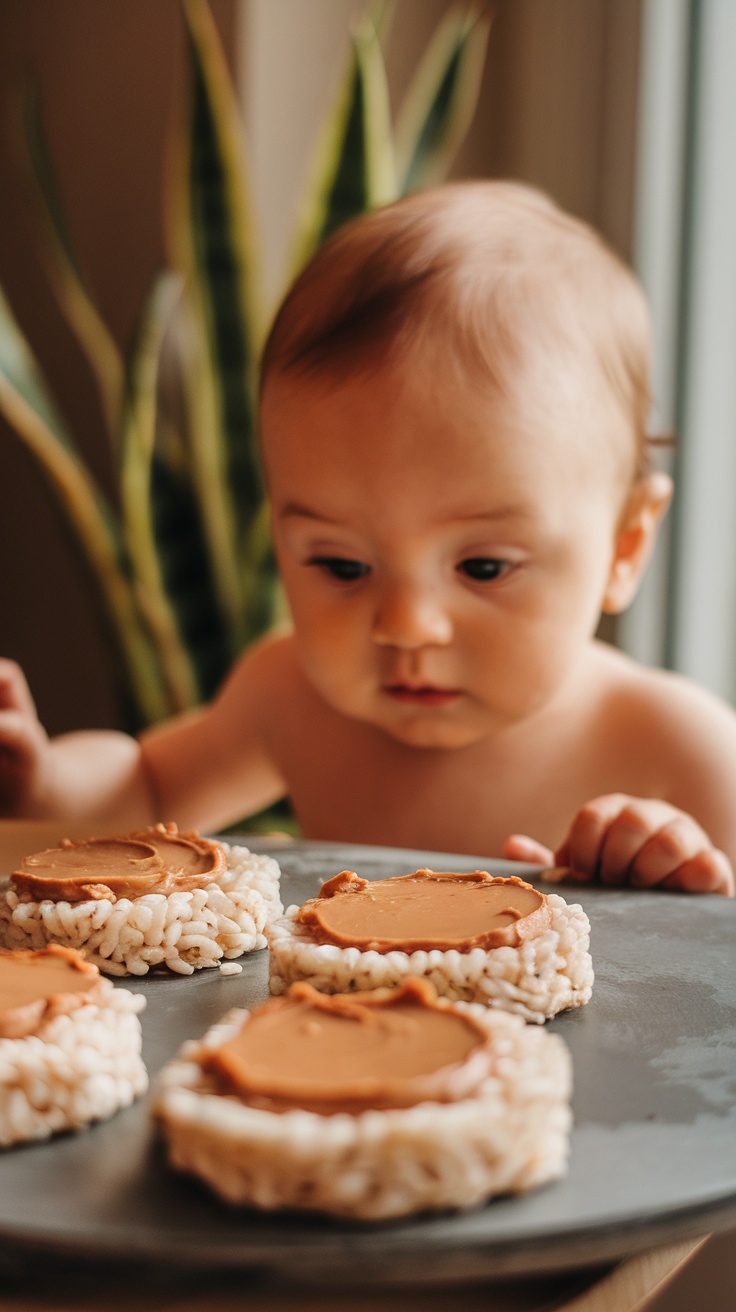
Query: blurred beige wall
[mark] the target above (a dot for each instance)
(558, 107)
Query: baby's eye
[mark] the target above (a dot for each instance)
(346, 571)
(483, 569)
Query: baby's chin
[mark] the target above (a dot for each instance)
(431, 732)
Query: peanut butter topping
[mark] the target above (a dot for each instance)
(156, 860)
(424, 911)
(353, 1052)
(35, 986)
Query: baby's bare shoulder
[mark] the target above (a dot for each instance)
(269, 666)
(661, 700)
(679, 737)
(243, 708)
(268, 687)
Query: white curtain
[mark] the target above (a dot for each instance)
(686, 257)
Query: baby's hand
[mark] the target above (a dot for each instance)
(24, 745)
(619, 839)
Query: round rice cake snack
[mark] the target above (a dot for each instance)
(478, 938)
(156, 898)
(70, 1044)
(369, 1106)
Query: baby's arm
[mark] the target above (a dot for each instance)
(96, 775)
(204, 769)
(212, 766)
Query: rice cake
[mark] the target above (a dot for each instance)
(155, 898)
(368, 1106)
(70, 1044)
(478, 938)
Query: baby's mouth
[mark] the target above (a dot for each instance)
(421, 695)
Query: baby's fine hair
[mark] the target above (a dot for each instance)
(483, 277)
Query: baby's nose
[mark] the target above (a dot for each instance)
(410, 615)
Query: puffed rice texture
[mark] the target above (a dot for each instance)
(513, 1135)
(184, 931)
(538, 979)
(79, 1067)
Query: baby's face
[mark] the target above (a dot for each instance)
(444, 553)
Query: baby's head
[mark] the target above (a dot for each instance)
(455, 394)
(489, 284)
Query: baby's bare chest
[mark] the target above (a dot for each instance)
(349, 783)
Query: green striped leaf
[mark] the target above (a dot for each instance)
(380, 14)
(136, 465)
(353, 170)
(181, 546)
(186, 573)
(261, 575)
(29, 410)
(214, 243)
(440, 103)
(67, 279)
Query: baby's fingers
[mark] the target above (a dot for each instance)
(518, 847)
(678, 839)
(18, 735)
(647, 841)
(620, 839)
(14, 691)
(607, 833)
(710, 871)
(23, 745)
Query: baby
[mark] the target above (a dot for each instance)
(454, 402)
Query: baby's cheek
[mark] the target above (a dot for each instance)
(328, 655)
(326, 633)
(521, 675)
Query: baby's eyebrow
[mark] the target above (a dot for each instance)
(293, 509)
(499, 512)
(513, 511)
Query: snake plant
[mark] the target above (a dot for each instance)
(182, 557)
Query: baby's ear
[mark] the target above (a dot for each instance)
(635, 540)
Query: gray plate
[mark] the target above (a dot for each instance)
(653, 1149)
